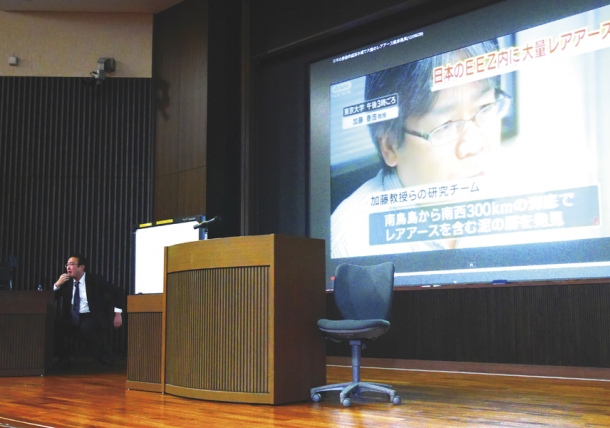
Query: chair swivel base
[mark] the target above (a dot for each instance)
(349, 388)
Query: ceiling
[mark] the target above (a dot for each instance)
(116, 6)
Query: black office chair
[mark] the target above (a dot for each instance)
(364, 297)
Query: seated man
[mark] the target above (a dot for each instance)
(81, 298)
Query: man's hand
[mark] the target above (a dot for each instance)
(62, 279)
(118, 320)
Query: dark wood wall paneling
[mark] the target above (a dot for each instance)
(180, 70)
(224, 118)
(76, 174)
(542, 325)
(282, 151)
(557, 325)
(197, 73)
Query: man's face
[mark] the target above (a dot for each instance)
(73, 269)
(472, 154)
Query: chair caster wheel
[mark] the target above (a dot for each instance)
(315, 397)
(346, 402)
(396, 399)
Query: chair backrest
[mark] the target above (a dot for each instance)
(364, 292)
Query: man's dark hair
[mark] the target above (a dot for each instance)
(82, 259)
(412, 82)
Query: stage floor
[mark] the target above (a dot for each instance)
(88, 397)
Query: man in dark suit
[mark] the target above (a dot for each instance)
(82, 296)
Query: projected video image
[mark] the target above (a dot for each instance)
(495, 144)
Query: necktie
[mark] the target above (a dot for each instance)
(76, 304)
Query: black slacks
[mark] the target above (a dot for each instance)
(87, 330)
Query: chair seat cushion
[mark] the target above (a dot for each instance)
(353, 329)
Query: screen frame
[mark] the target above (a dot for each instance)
(489, 22)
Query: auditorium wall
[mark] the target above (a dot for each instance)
(68, 44)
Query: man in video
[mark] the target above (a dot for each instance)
(439, 136)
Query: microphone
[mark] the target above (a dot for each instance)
(204, 222)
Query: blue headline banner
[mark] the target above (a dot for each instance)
(559, 209)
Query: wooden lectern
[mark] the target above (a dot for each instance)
(239, 320)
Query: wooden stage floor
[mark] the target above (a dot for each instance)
(429, 399)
